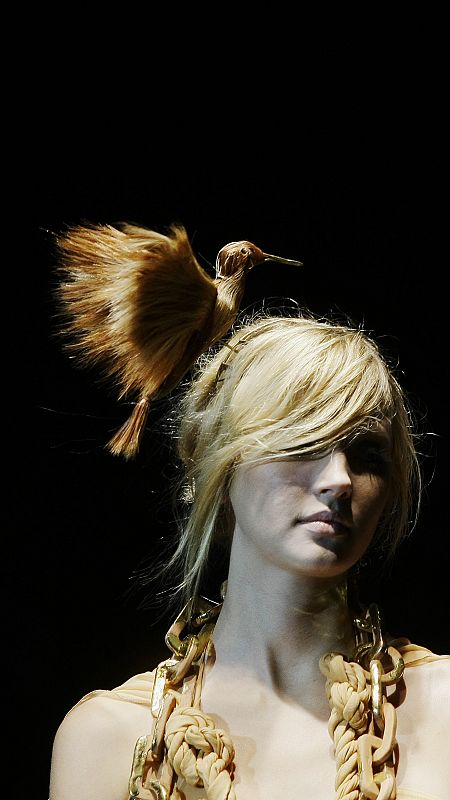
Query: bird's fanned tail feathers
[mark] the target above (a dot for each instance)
(131, 299)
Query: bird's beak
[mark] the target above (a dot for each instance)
(268, 257)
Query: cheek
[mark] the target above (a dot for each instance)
(240, 496)
(254, 498)
(373, 496)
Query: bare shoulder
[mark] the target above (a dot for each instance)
(428, 690)
(93, 749)
(423, 729)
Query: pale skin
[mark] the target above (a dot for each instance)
(282, 611)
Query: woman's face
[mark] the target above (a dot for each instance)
(315, 516)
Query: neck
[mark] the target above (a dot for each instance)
(229, 295)
(274, 626)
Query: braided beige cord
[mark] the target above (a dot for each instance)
(199, 752)
(348, 697)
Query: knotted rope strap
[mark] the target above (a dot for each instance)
(185, 742)
(199, 752)
(348, 697)
(195, 750)
(351, 726)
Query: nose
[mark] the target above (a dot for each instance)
(333, 479)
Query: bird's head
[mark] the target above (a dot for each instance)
(237, 258)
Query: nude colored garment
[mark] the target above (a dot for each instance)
(138, 689)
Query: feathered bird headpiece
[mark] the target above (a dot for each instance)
(138, 302)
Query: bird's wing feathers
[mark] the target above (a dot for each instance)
(132, 299)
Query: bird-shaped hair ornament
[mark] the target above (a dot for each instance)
(139, 303)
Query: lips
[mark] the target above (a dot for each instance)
(324, 522)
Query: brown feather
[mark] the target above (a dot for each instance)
(132, 299)
(127, 439)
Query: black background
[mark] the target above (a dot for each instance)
(366, 212)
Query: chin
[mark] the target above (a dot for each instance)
(329, 560)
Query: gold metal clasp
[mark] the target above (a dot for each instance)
(137, 770)
(370, 642)
(160, 792)
(371, 646)
(198, 614)
(160, 684)
(376, 675)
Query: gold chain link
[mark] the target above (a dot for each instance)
(376, 765)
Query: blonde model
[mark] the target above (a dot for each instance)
(299, 456)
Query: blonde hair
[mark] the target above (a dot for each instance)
(284, 383)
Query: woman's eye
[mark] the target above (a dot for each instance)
(376, 460)
(377, 457)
